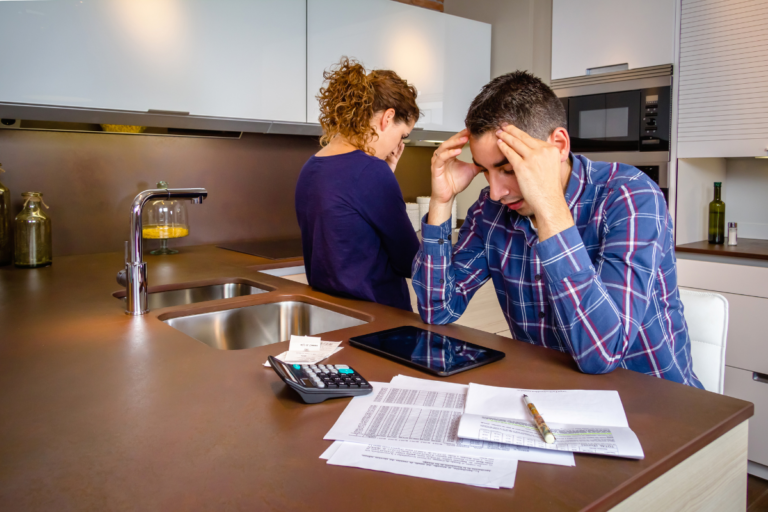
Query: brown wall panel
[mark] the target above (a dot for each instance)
(90, 179)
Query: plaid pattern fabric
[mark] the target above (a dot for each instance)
(604, 290)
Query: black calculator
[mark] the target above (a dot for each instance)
(317, 383)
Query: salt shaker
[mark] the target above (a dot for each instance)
(732, 234)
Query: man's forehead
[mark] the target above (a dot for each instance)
(485, 151)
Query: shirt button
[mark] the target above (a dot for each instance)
(537, 277)
(441, 281)
(441, 241)
(542, 314)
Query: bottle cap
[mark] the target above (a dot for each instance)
(718, 183)
(732, 225)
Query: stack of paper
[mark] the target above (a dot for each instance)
(307, 350)
(582, 421)
(409, 427)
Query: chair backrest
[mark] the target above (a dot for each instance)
(706, 314)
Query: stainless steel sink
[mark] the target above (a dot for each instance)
(264, 324)
(157, 300)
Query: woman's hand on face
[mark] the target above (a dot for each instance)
(395, 155)
(449, 174)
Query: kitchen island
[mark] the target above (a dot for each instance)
(104, 411)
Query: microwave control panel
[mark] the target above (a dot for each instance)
(656, 118)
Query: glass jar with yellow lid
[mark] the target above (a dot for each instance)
(164, 219)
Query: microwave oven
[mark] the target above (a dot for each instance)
(637, 120)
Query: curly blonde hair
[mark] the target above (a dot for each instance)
(351, 97)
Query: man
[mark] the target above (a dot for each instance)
(581, 253)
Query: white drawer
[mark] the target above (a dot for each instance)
(740, 384)
(747, 344)
(723, 277)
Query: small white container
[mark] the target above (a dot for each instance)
(412, 209)
(733, 238)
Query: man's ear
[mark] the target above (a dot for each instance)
(562, 140)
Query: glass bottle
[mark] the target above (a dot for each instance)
(6, 245)
(33, 233)
(164, 219)
(717, 218)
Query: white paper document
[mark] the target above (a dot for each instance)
(307, 350)
(447, 467)
(424, 415)
(581, 420)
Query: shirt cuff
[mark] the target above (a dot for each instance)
(436, 240)
(563, 255)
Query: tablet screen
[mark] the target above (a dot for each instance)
(432, 351)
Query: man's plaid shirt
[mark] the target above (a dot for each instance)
(604, 290)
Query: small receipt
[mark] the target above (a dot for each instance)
(325, 349)
(304, 344)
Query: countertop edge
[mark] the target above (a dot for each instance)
(634, 485)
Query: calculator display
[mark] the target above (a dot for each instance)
(433, 352)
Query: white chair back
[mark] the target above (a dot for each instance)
(706, 314)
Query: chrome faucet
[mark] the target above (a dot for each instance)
(134, 276)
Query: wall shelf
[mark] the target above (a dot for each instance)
(748, 248)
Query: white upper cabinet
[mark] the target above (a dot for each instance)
(723, 99)
(595, 33)
(222, 58)
(447, 58)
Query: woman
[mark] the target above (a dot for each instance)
(357, 238)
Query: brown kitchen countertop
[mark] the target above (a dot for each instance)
(104, 411)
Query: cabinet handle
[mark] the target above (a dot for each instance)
(760, 377)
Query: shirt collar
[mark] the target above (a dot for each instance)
(578, 180)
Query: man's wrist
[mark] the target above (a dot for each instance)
(439, 212)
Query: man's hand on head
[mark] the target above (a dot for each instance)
(538, 169)
(449, 177)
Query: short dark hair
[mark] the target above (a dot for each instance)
(517, 98)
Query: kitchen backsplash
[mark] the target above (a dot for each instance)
(89, 181)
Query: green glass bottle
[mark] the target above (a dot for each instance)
(33, 234)
(6, 245)
(717, 218)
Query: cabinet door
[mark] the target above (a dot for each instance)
(741, 384)
(447, 58)
(723, 105)
(223, 58)
(594, 33)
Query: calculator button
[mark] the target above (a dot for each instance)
(334, 370)
(340, 366)
(345, 370)
(305, 366)
(296, 367)
(343, 385)
(320, 384)
(358, 379)
(364, 385)
(332, 385)
(354, 385)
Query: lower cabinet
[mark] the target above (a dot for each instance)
(746, 385)
(483, 313)
(745, 288)
(299, 278)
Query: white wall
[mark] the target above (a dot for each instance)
(746, 197)
(594, 33)
(695, 190)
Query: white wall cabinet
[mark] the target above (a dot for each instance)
(230, 58)
(723, 100)
(594, 33)
(447, 58)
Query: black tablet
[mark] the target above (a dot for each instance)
(427, 351)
